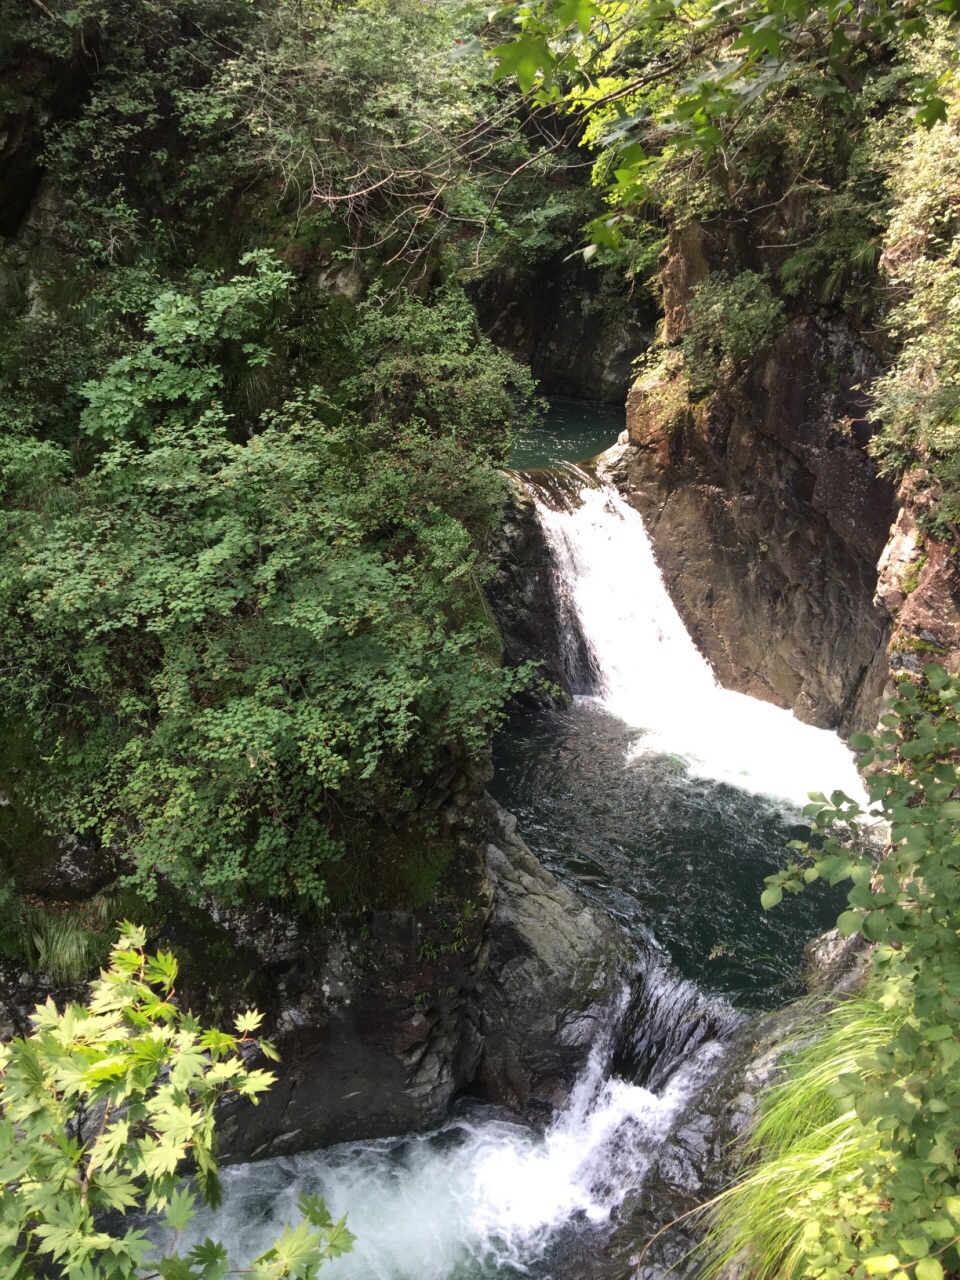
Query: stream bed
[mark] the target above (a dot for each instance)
(665, 801)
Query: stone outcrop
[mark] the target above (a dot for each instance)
(919, 586)
(500, 987)
(768, 518)
(554, 971)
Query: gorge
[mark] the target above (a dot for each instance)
(631, 800)
(465, 734)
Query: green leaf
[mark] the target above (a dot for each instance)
(175, 1268)
(880, 1264)
(915, 1246)
(248, 1022)
(909, 1039)
(929, 1269)
(526, 58)
(180, 1211)
(771, 897)
(849, 923)
(212, 1259)
(579, 12)
(874, 926)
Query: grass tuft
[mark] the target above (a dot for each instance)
(802, 1161)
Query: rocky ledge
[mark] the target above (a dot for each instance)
(377, 1034)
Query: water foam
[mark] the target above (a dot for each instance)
(476, 1197)
(652, 675)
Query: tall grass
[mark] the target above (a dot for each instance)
(68, 943)
(801, 1162)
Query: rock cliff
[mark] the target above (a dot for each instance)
(919, 586)
(500, 987)
(766, 512)
(575, 326)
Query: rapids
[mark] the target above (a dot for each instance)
(484, 1195)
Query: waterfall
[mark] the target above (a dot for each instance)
(647, 670)
(483, 1194)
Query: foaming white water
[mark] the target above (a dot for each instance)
(471, 1198)
(654, 678)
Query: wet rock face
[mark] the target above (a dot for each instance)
(556, 969)
(501, 986)
(768, 519)
(522, 597)
(575, 326)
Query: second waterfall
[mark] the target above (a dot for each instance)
(646, 669)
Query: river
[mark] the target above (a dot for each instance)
(665, 800)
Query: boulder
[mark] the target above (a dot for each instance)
(501, 986)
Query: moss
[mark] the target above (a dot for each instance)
(917, 644)
(910, 578)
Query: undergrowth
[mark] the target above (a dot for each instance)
(802, 1162)
(68, 942)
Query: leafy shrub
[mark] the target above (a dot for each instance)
(917, 400)
(730, 320)
(104, 1107)
(235, 645)
(900, 1216)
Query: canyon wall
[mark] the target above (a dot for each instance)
(766, 512)
(578, 328)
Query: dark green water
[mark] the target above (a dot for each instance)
(679, 860)
(572, 430)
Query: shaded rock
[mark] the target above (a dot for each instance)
(685, 263)
(555, 972)
(78, 873)
(577, 328)
(502, 984)
(522, 596)
(836, 965)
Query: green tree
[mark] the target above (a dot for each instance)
(236, 638)
(106, 1107)
(657, 80)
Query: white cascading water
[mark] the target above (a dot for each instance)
(654, 678)
(474, 1197)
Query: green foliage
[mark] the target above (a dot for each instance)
(730, 321)
(248, 475)
(248, 637)
(917, 399)
(904, 1219)
(801, 1163)
(105, 1106)
(692, 76)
